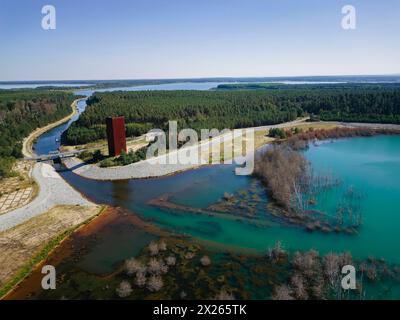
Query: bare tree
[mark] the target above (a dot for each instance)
(124, 289)
(345, 259)
(276, 252)
(162, 246)
(155, 283)
(282, 292)
(140, 279)
(205, 261)
(170, 260)
(189, 255)
(332, 268)
(306, 262)
(153, 248)
(133, 266)
(156, 266)
(299, 287)
(224, 295)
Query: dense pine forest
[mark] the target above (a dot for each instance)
(237, 106)
(21, 112)
(192, 109)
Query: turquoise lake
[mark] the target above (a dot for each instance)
(369, 165)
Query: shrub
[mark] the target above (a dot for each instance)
(6, 165)
(277, 133)
(107, 163)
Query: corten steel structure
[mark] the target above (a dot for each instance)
(116, 135)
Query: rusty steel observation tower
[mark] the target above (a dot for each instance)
(116, 135)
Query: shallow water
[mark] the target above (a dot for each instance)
(368, 164)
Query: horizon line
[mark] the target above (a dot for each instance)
(204, 78)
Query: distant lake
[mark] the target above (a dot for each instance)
(38, 85)
(165, 86)
(191, 86)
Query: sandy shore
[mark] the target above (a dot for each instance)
(25, 245)
(27, 143)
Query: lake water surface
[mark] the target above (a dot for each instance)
(369, 165)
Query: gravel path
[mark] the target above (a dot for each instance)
(53, 191)
(142, 169)
(155, 168)
(158, 166)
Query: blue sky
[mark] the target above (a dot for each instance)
(139, 39)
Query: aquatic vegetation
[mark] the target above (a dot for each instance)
(244, 203)
(282, 292)
(155, 283)
(228, 196)
(301, 140)
(153, 248)
(312, 276)
(205, 261)
(170, 260)
(133, 266)
(156, 267)
(224, 295)
(288, 178)
(276, 253)
(294, 186)
(299, 287)
(140, 279)
(189, 255)
(348, 210)
(277, 274)
(331, 264)
(124, 289)
(162, 246)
